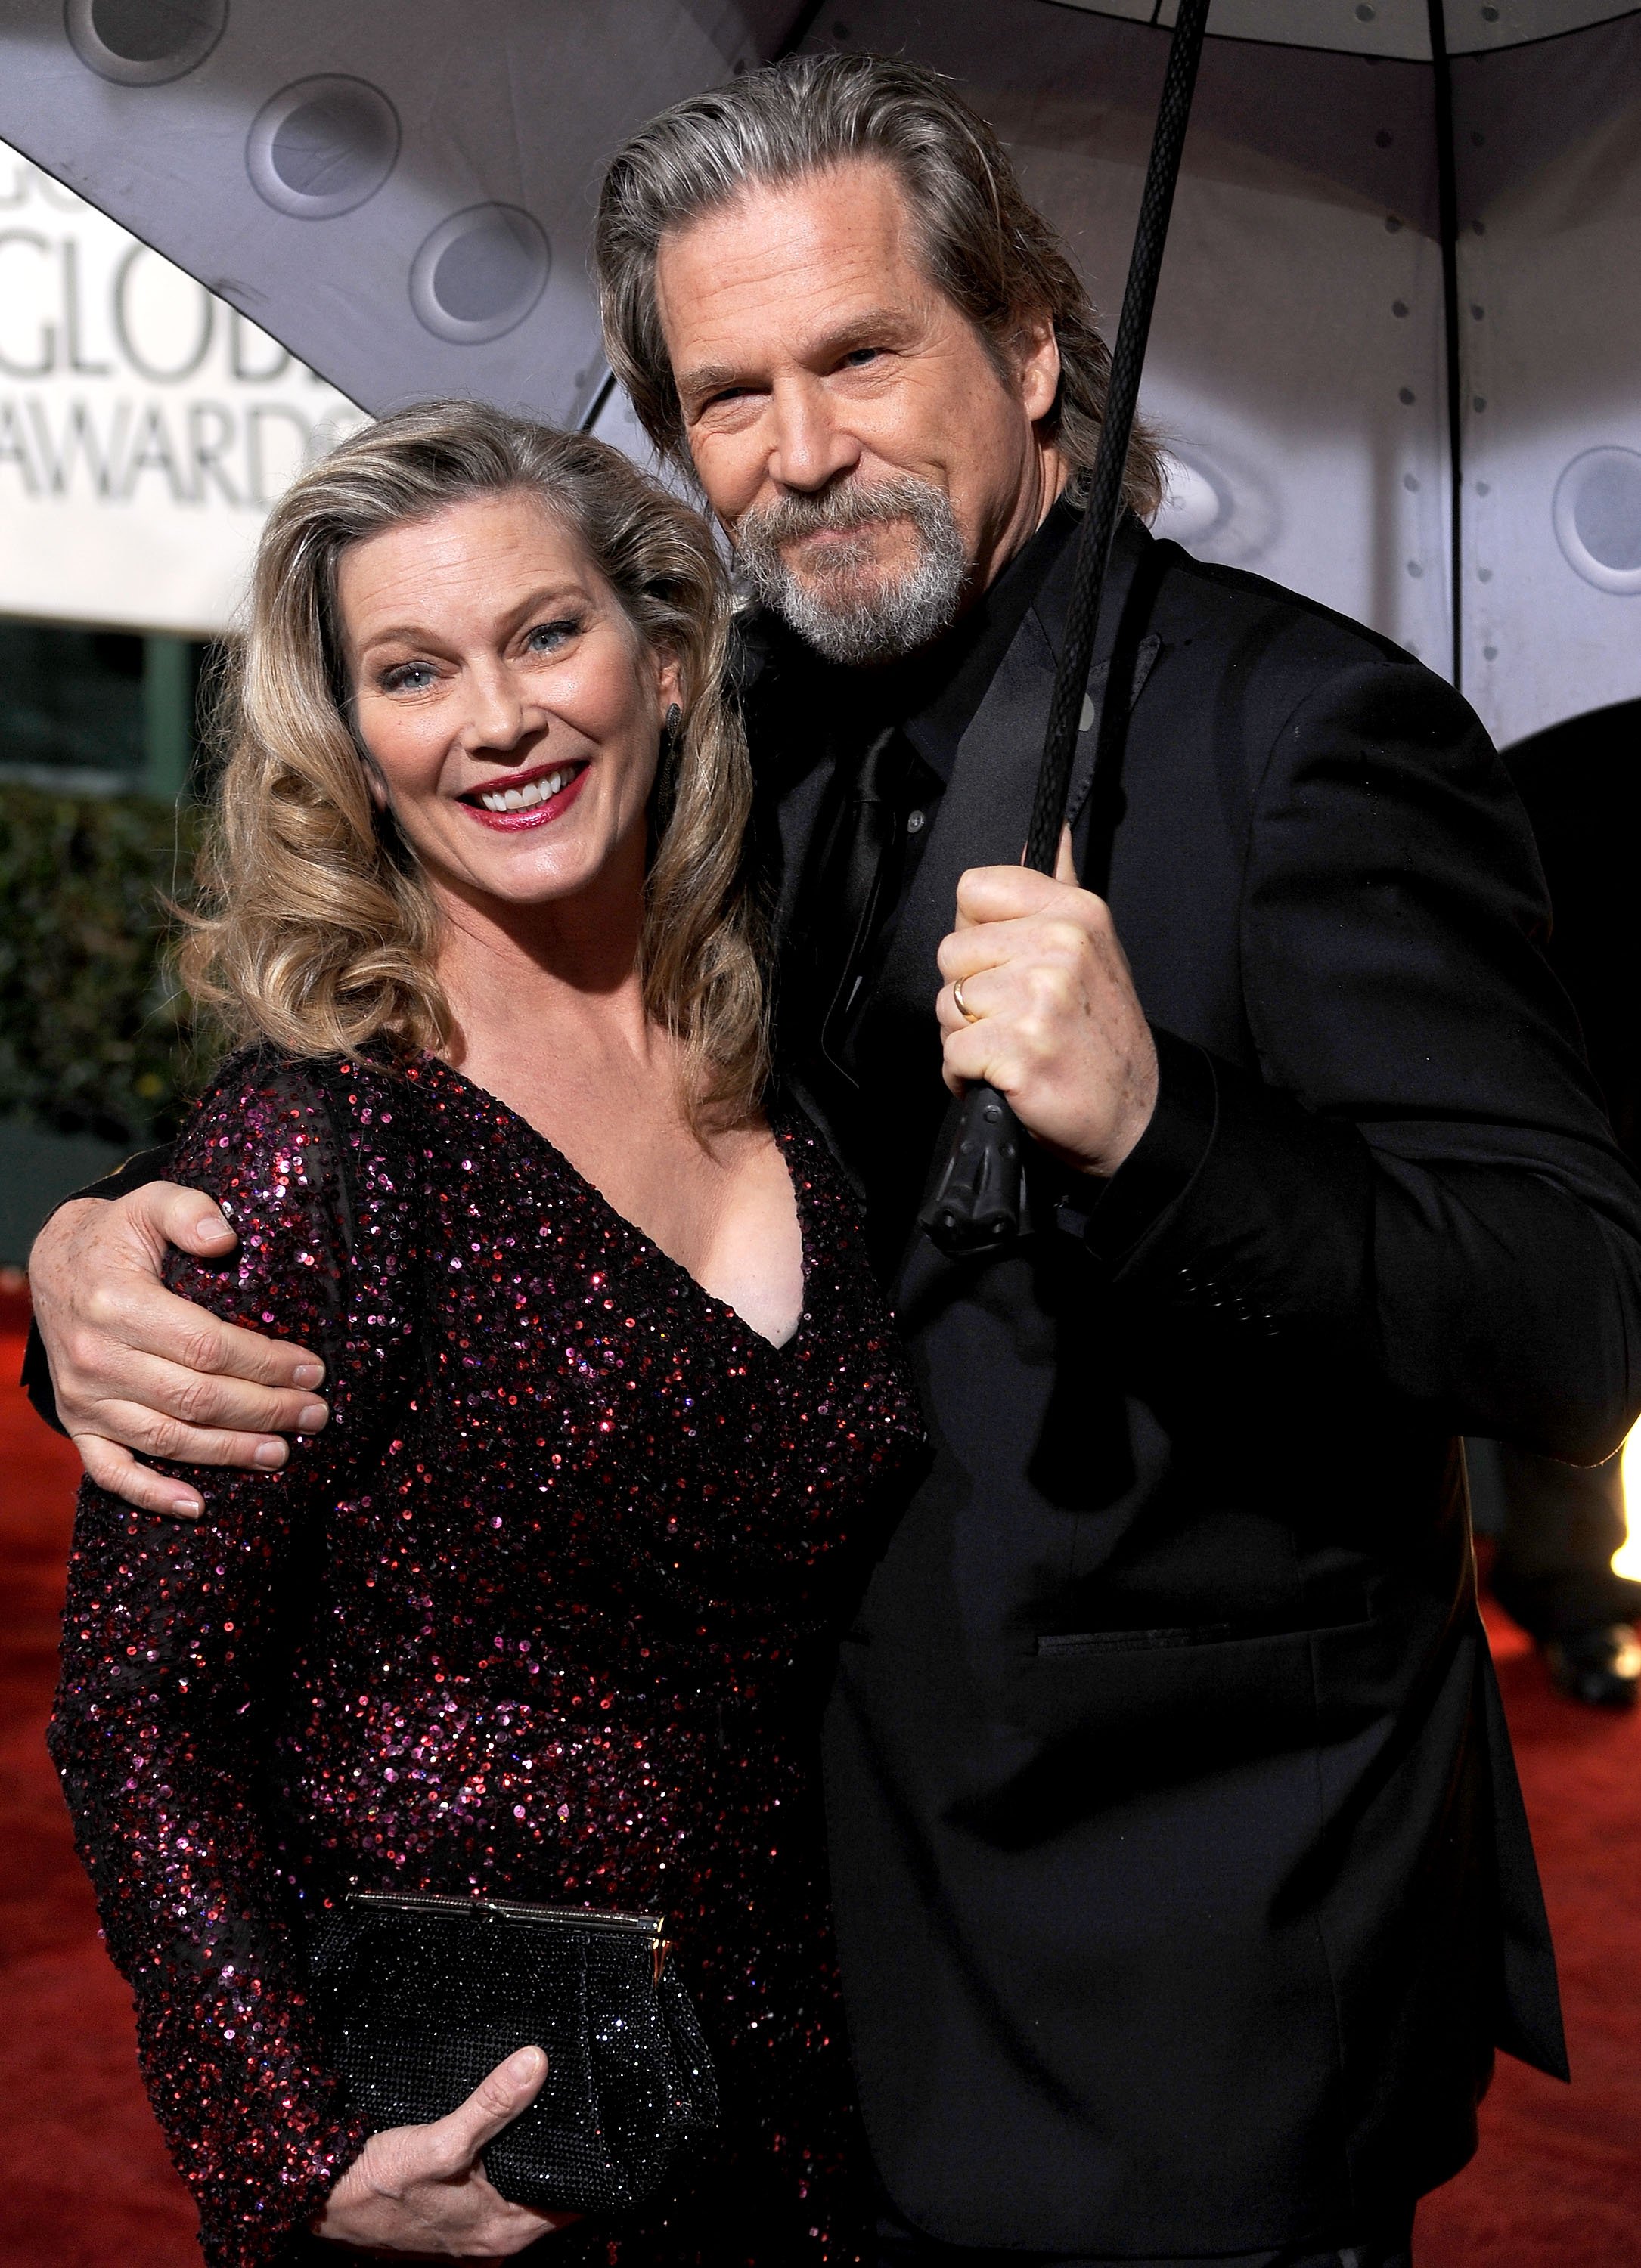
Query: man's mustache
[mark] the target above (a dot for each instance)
(763, 530)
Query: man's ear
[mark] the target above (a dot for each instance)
(1037, 357)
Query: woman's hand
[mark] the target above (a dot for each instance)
(420, 2189)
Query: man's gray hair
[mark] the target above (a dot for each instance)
(992, 255)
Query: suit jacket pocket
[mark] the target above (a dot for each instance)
(1342, 1608)
(1134, 1641)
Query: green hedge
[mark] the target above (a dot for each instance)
(94, 1038)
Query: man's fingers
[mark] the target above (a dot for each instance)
(99, 1300)
(137, 1425)
(140, 1316)
(244, 1368)
(498, 2098)
(989, 893)
(1063, 934)
(981, 996)
(973, 946)
(117, 1470)
(162, 1410)
(186, 1217)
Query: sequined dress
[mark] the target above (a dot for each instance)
(542, 1612)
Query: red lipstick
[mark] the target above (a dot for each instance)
(534, 813)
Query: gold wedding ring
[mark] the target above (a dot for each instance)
(961, 1005)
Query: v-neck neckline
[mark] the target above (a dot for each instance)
(635, 1235)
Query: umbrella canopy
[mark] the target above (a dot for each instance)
(1393, 253)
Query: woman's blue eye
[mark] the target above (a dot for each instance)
(545, 636)
(410, 677)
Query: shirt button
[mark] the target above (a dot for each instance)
(915, 821)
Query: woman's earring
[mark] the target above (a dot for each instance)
(666, 788)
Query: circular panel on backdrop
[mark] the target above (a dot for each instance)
(143, 42)
(1597, 514)
(1195, 501)
(321, 147)
(1217, 503)
(480, 273)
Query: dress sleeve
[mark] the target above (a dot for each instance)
(174, 1639)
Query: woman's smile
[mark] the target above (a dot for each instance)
(527, 799)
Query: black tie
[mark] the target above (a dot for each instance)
(857, 884)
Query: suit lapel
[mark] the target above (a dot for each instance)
(982, 818)
(985, 814)
(1090, 739)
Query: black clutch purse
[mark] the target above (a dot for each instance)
(421, 1996)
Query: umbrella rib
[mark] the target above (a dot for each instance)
(1448, 227)
(595, 408)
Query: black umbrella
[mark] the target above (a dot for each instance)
(1402, 249)
(1395, 341)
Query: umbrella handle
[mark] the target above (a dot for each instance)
(977, 1204)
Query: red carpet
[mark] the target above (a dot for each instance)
(84, 2181)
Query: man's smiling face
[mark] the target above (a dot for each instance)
(852, 430)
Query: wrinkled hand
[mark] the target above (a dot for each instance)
(421, 2190)
(1059, 1027)
(134, 1367)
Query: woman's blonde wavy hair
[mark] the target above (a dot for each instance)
(316, 928)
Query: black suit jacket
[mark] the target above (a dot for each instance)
(1581, 783)
(1183, 1884)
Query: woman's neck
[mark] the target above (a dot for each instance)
(549, 999)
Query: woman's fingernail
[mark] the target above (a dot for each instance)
(187, 1508)
(271, 1453)
(308, 1373)
(523, 2064)
(312, 1418)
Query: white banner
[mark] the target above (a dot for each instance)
(145, 425)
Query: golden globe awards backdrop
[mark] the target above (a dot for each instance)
(145, 425)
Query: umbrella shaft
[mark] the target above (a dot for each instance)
(1122, 393)
(977, 1203)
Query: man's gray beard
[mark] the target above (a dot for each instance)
(887, 618)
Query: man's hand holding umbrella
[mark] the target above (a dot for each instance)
(1039, 1002)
